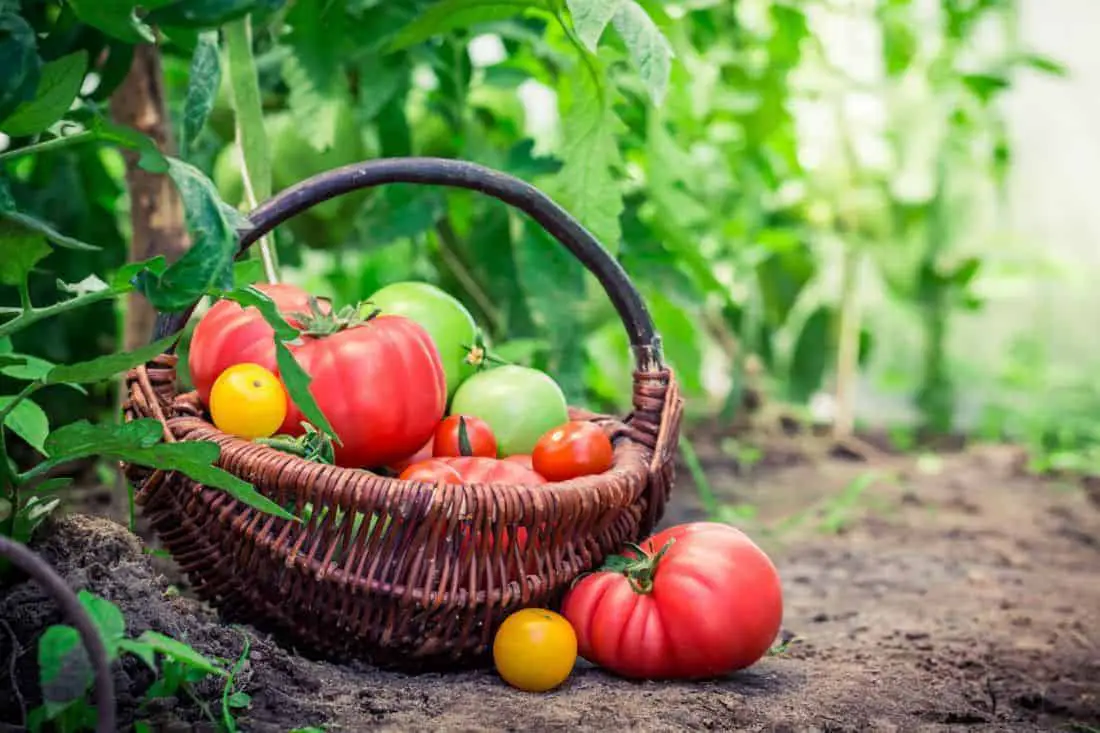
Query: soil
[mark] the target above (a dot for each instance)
(948, 592)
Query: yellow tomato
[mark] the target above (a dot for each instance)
(248, 401)
(535, 649)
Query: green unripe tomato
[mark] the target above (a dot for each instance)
(446, 320)
(519, 403)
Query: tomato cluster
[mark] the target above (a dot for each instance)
(383, 373)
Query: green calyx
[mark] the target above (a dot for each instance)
(319, 322)
(313, 445)
(640, 568)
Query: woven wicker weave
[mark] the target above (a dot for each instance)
(409, 589)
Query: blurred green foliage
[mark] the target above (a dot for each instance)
(710, 144)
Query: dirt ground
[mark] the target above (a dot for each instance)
(943, 593)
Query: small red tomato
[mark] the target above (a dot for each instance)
(575, 449)
(431, 471)
(464, 435)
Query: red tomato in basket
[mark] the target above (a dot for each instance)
(478, 470)
(423, 454)
(575, 449)
(431, 471)
(703, 602)
(379, 382)
(522, 459)
(479, 438)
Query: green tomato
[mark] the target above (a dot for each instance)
(520, 404)
(446, 320)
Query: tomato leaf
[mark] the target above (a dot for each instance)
(812, 355)
(202, 88)
(179, 652)
(308, 72)
(81, 439)
(210, 13)
(208, 264)
(297, 383)
(249, 296)
(108, 620)
(590, 155)
(19, 60)
(118, 18)
(649, 50)
(20, 250)
(149, 156)
(105, 367)
(28, 421)
(64, 670)
(57, 88)
(450, 15)
(591, 17)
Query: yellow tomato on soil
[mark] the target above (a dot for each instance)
(535, 649)
(249, 401)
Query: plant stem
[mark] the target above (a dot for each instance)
(33, 315)
(847, 358)
(244, 87)
(54, 144)
(448, 249)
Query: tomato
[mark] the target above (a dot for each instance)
(431, 471)
(450, 325)
(479, 439)
(228, 334)
(575, 449)
(535, 649)
(423, 454)
(701, 600)
(248, 401)
(478, 470)
(522, 459)
(378, 381)
(518, 403)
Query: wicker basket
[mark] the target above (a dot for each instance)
(409, 589)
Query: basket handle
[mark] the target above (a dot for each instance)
(644, 339)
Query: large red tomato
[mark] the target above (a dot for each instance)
(702, 600)
(479, 470)
(379, 382)
(228, 334)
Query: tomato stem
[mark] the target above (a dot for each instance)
(318, 322)
(640, 569)
(464, 447)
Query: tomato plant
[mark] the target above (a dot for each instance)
(249, 401)
(575, 449)
(431, 471)
(519, 404)
(450, 325)
(535, 650)
(696, 600)
(464, 435)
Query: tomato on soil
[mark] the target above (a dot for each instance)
(378, 380)
(248, 401)
(464, 435)
(535, 649)
(518, 403)
(696, 600)
(575, 449)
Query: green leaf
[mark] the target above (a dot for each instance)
(244, 88)
(118, 18)
(18, 59)
(449, 15)
(208, 264)
(297, 386)
(37, 225)
(149, 156)
(64, 670)
(202, 88)
(649, 50)
(125, 278)
(57, 88)
(313, 72)
(180, 652)
(210, 13)
(138, 442)
(247, 272)
(239, 700)
(589, 189)
(680, 335)
(31, 514)
(141, 650)
(24, 367)
(812, 355)
(108, 620)
(20, 250)
(985, 86)
(105, 367)
(1044, 64)
(590, 18)
(28, 421)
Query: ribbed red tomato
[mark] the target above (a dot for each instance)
(228, 334)
(379, 381)
(479, 470)
(694, 601)
(431, 471)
